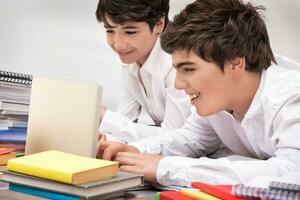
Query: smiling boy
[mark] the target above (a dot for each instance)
(224, 61)
(132, 31)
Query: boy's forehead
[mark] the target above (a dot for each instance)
(126, 24)
(182, 54)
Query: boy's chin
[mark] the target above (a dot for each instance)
(203, 112)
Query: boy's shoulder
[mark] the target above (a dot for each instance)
(282, 83)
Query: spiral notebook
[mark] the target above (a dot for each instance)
(276, 191)
(14, 77)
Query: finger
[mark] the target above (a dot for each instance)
(107, 153)
(102, 137)
(101, 146)
(136, 156)
(123, 160)
(131, 169)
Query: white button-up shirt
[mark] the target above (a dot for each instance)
(156, 96)
(265, 143)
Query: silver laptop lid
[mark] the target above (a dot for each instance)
(63, 115)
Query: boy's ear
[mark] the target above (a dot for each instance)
(236, 66)
(159, 27)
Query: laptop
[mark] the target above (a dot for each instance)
(64, 116)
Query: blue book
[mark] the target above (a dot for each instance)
(41, 192)
(14, 135)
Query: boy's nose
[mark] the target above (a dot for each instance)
(179, 82)
(119, 43)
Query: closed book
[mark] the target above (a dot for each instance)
(220, 191)
(11, 195)
(12, 123)
(122, 181)
(41, 193)
(198, 195)
(17, 107)
(63, 167)
(5, 150)
(13, 135)
(4, 158)
(173, 195)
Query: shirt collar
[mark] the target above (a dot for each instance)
(156, 59)
(255, 104)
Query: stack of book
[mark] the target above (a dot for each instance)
(57, 175)
(202, 191)
(15, 89)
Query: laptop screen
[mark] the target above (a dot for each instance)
(64, 116)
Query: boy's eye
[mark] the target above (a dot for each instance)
(131, 32)
(109, 31)
(188, 69)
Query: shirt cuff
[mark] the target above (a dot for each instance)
(166, 168)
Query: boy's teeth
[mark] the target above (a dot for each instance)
(194, 96)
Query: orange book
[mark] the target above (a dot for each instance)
(6, 150)
(5, 157)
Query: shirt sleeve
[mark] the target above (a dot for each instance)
(174, 170)
(124, 129)
(196, 138)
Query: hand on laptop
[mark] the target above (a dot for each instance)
(108, 149)
(139, 163)
(129, 158)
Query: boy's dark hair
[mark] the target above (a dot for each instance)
(120, 11)
(220, 30)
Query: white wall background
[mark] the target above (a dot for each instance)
(62, 39)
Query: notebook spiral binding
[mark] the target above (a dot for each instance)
(265, 194)
(14, 77)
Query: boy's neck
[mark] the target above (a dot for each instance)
(245, 91)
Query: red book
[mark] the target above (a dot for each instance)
(173, 195)
(220, 191)
(6, 150)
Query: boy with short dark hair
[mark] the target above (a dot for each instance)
(132, 30)
(224, 61)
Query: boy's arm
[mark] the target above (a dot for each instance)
(196, 138)
(238, 169)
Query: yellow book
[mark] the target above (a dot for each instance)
(63, 167)
(197, 194)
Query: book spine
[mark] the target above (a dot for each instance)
(14, 166)
(41, 192)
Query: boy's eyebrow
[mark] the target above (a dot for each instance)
(108, 27)
(179, 65)
(125, 27)
(130, 27)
